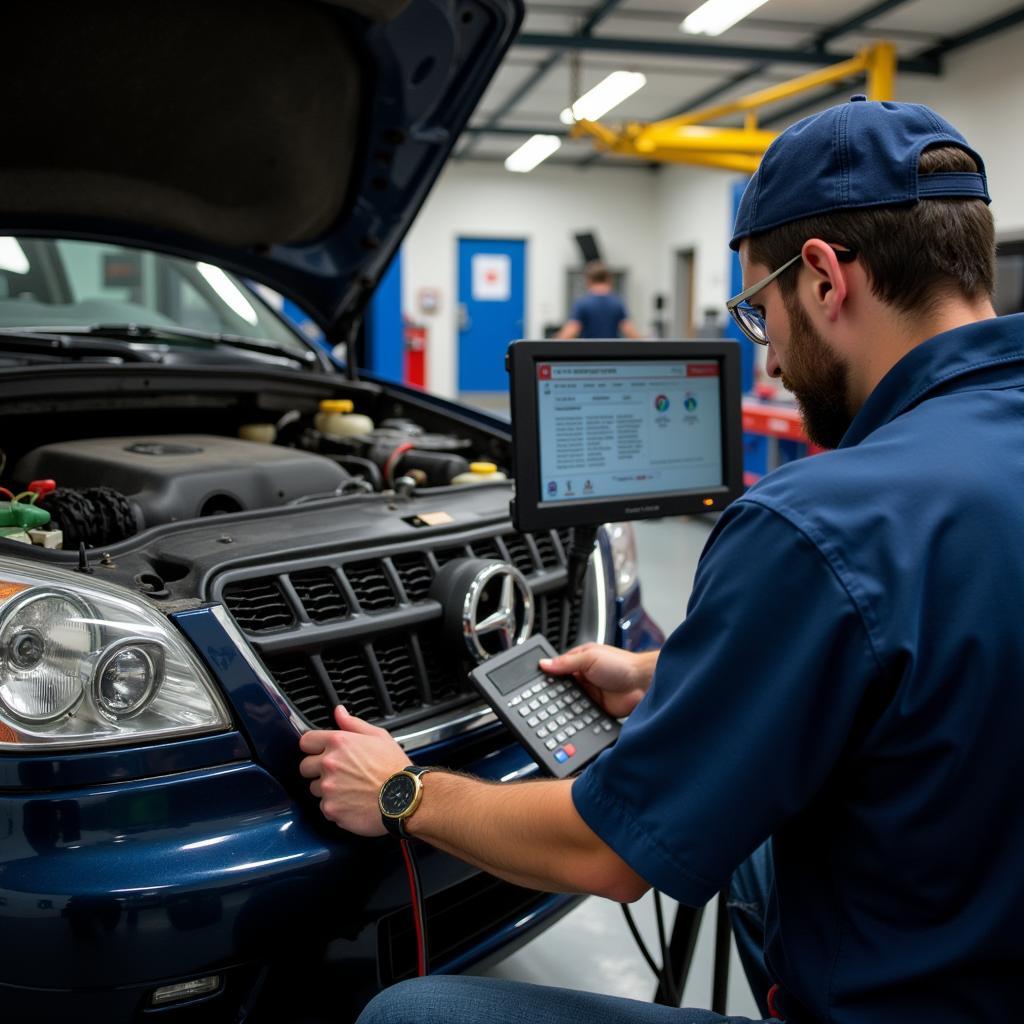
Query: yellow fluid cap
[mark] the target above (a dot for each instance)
(337, 405)
(483, 467)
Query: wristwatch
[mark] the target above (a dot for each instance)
(399, 797)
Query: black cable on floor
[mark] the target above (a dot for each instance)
(640, 943)
(669, 980)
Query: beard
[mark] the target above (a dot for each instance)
(818, 378)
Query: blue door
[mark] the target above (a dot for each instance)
(492, 275)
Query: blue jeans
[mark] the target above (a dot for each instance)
(454, 999)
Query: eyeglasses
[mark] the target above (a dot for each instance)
(750, 320)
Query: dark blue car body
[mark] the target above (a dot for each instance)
(130, 867)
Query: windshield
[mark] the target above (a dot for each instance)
(55, 283)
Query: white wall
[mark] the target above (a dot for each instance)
(694, 211)
(981, 91)
(546, 207)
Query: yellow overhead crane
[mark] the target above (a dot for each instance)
(686, 140)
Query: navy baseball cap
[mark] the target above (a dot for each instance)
(850, 157)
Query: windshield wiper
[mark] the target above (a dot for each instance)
(54, 343)
(145, 332)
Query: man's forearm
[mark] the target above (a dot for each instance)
(527, 833)
(647, 661)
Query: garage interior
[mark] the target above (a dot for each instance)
(288, 581)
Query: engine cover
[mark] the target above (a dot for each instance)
(182, 476)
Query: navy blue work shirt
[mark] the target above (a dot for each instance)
(599, 315)
(849, 680)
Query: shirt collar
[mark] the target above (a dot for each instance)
(946, 360)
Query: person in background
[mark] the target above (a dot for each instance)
(712, 327)
(600, 313)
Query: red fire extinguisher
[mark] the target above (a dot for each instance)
(414, 369)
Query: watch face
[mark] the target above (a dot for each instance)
(397, 794)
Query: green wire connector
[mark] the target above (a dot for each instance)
(23, 516)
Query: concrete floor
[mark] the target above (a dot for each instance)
(591, 948)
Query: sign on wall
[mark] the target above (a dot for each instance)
(492, 277)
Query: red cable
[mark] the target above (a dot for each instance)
(392, 459)
(772, 1011)
(414, 893)
(10, 494)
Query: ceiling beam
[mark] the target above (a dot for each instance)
(709, 51)
(857, 21)
(825, 36)
(973, 35)
(754, 21)
(979, 32)
(501, 129)
(594, 18)
(623, 165)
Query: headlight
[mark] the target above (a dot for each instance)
(623, 543)
(85, 663)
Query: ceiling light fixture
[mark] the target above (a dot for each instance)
(229, 292)
(12, 256)
(533, 151)
(713, 17)
(605, 96)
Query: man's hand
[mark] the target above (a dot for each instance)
(615, 679)
(347, 769)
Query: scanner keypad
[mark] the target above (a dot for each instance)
(552, 717)
(557, 709)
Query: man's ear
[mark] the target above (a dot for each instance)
(828, 277)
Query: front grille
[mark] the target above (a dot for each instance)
(366, 632)
(487, 548)
(519, 553)
(546, 549)
(351, 680)
(371, 586)
(398, 667)
(295, 677)
(443, 680)
(320, 595)
(549, 616)
(258, 605)
(415, 573)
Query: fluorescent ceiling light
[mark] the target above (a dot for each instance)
(229, 292)
(12, 256)
(605, 96)
(713, 17)
(533, 151)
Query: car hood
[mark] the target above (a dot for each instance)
(291, 141)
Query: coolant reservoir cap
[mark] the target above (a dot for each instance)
(337, 405)
(483, 467)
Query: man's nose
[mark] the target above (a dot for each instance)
(772, 363)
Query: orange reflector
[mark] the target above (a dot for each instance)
(9, 589)
(709, 501)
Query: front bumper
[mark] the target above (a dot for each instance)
(112, 889)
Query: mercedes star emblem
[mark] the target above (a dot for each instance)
(498, 604)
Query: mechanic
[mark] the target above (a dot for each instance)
(848, 679)
(600, 313)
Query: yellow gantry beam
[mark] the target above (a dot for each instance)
(688, 139)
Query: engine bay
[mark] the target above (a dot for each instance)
(97, 484)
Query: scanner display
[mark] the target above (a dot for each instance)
(624, 429)
(513, 675)
(609, 430)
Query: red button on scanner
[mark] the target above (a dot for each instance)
(569, 749)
